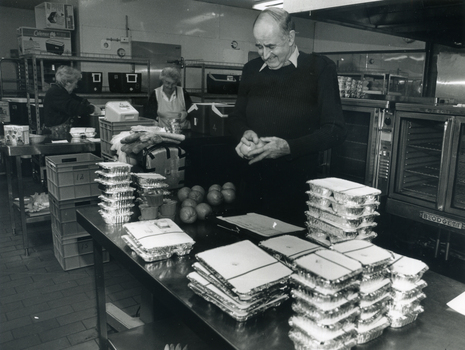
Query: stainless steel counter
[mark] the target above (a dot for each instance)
(16, 152)
(438, 327)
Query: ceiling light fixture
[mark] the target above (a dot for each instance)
(264, 5)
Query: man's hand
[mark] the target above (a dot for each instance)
(273, 148)
(248, 141)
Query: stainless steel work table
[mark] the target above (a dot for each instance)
(16, 152)
(439, 327)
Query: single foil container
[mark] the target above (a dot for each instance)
(115, 168)
(399, 320)
(344, 191)
(113, 177)
(113, 219)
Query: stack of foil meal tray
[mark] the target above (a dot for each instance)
(117, 196)
(241, 279)
(154, 240)
(375, 287)
(340, 210)
(349, 293)
(326, 293)
(406, 290)
(151, 190)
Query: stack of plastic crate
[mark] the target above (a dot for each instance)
(71, 185)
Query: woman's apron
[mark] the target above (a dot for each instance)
(173, 109)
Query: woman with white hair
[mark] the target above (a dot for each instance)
(169, 101)
(63, 109)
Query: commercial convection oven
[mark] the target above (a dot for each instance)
(365, 155)
(428, 173)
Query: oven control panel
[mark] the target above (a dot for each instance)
(385, 151)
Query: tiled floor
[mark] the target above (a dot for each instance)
(44, 307)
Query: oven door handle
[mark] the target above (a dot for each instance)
(445, 159)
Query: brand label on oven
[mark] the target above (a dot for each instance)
(442, 220)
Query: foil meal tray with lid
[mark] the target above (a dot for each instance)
(344, 192)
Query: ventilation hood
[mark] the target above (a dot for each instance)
(434, 21)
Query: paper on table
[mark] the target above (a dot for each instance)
(59, 141)
(458, 304)
(261, 224)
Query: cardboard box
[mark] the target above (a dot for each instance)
(217, 118)
(44, 41)
(54, 16)
(16, 135)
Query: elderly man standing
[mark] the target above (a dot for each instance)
(288, 109)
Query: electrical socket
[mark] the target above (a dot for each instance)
(124, 39)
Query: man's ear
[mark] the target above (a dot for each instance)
(291, 37)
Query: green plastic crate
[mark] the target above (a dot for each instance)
(74, 245)
(63, 214)
(77, 261)
(72, 176)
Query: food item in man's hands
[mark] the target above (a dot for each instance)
(229, 195)
(215, 197)
(188, 202)
(246, 149)
(203, 210)
(183, 193)
(188, 215)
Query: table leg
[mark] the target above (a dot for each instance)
(100, 294)
(8, 169)
(22, 210)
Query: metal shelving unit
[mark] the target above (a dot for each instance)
(12, 78)
(203, 65)
(36, 71)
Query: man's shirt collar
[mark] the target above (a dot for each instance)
(292, 59)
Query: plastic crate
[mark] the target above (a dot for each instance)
(109, 129)
(72, 176)
(63, 215)
(71, 246)
(76, 261)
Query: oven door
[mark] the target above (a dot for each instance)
(355, 159)
(455, 195)
(422, 149)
